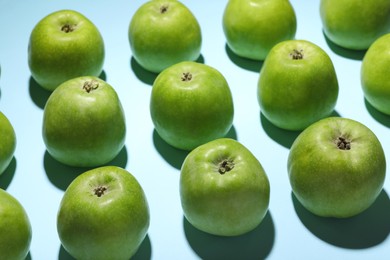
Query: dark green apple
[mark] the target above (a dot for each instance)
(355, 24)
(64, 45)
(297, 85)
(253, 27)
(103, 214)
(191, 104)
(84, 123)
(224, 190)
(7, 142)
(15, 228)
(375, 76)
(336, 167)
(163, 33)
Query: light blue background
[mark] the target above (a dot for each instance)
(288, 231)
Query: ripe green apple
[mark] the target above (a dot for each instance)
(375, 76)
(64, 45)
(355, 24)
(84, 123)
(297, 85)
(15, 228)
(253, 27)
(336, 167)
(103, 214)
(162, 33)
(7, 142)
(224, 190)
(191, 104)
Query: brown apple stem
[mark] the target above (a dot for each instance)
(90, 85)
(343, 144)
(67, 28)
(297, 54)
(186, 76)
(99, 191)
(225, 166)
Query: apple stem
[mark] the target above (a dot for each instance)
(99, 191)
(297, 54)
(186, 76)
(225, 166)
(163, 9)
(67, 28)
(343, 144)
(90, 85)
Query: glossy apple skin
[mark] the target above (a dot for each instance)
(55, 56)
(375, 76)
(15, 228)
(188, 113)
(294, 93)
(111, 226)
(226, 204)
(7, 142)
(253, 27)
(355, 24)
(159, 39)
(82, 128)
(333, 182)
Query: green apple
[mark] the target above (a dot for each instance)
(103, 214)
(84, 123)
(297, 85)
(224, 190)
(336, 167)
(375, 76)
(163, 33)
(15, 228)
(253, 27)
(191, 104)
(355, 24)
(7, 142)
(64, 45)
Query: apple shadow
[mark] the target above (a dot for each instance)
(174, 156)
(61, 175)
(368, 229)
(144, 252)
(7, 176)
(28, 256)
(344, 52)
(377, 115)
(247, 64)
(256, 244)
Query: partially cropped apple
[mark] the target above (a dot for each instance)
(355, 24)
(337, 167)
(7, 142)
(163, 33)
(15, 228)
(375, 76)
(297, 85)
(224, 190)
(84, 123)
(191, 104)
(64, 45)
(103, 214)
(253, 27)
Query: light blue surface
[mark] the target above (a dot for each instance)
(288, 231)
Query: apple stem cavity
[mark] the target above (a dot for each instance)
(297, 54)
(99, 191)
(343, 144)
(163, 9)
(90, 85)
(186, 76)
(225, 166)
(67, 28)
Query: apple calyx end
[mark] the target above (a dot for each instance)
(163, 9)
(296, 54)
(187, 76)
(99, 191)
(225, 166)
(67, 28)
(90, 85)
(343, 144)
